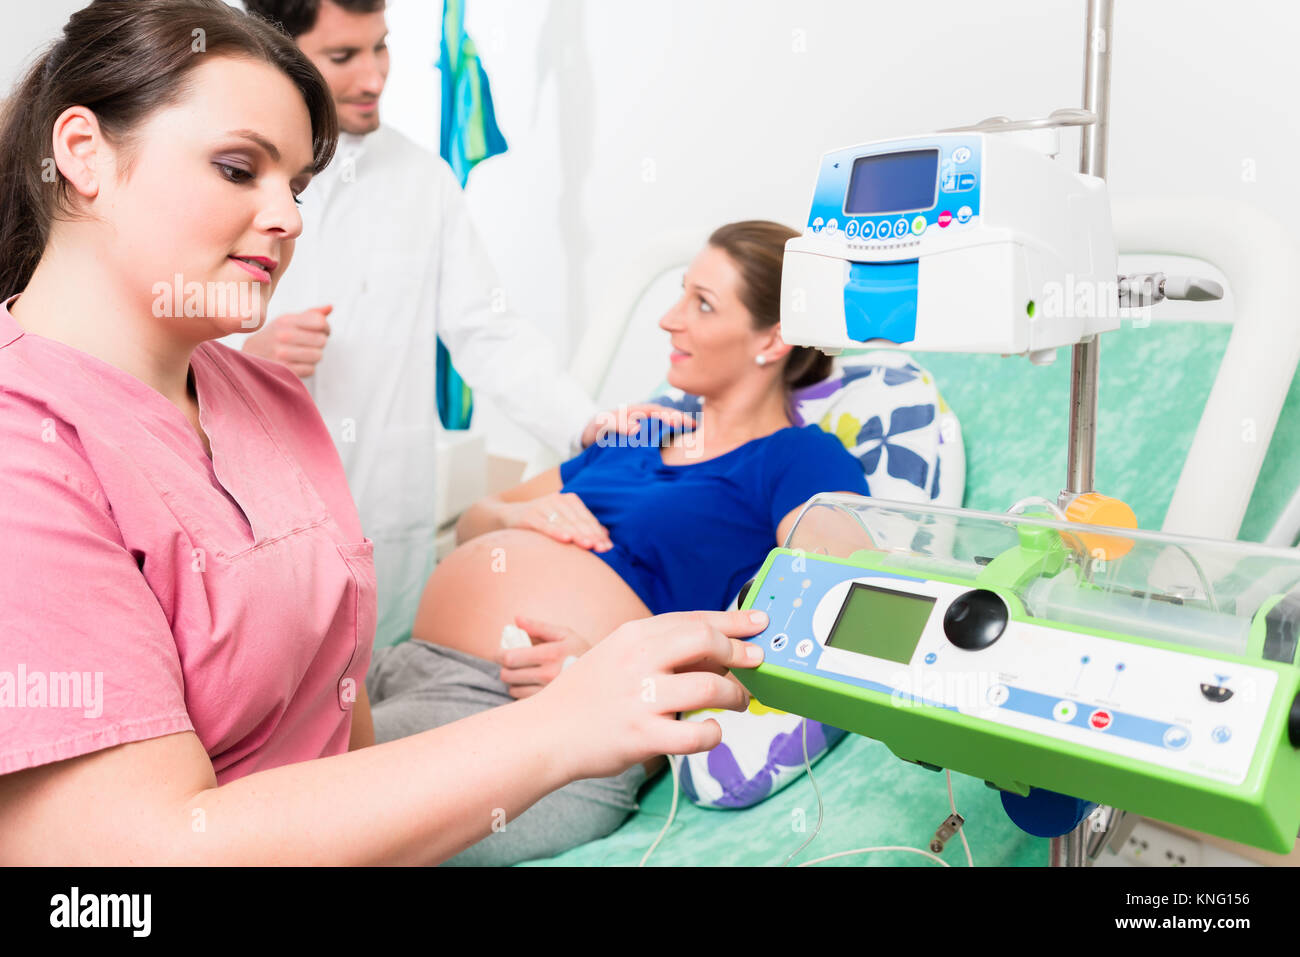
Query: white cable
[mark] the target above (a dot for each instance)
(672, 811)
(868, 850)
(807, 766)
(970, 861)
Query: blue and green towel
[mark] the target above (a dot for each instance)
(469, 136)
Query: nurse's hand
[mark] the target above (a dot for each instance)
(626, 419)
(561, 516)
(527, 671)
(617, 705)
(296, 339)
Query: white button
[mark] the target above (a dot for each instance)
(960, 155)
(998, 695)
(1064, 711)
(780, 640)
(804, 648)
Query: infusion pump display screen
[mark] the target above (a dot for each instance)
(893, 182)
(880, 622)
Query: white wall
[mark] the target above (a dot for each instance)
(626, 119)
(26, 27)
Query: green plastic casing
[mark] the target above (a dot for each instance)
(1263, 811)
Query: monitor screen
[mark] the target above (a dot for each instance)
(880, 623)
(893, 182)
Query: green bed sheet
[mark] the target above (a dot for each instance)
(870, 799)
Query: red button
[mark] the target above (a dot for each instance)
(944, 218)
(1100, 720)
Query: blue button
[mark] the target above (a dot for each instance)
(900, 227)
(931, 658)
(1221, 734)
(965, 181)
(1177, 738)
(949, 183)
(868, 228)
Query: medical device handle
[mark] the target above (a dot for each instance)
(1146, 289)
(1191, 288)
(1070, 116)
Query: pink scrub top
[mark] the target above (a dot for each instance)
(146, 589)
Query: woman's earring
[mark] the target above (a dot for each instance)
(761, 360)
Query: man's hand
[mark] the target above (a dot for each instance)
(296, 339)
(528, 670)
(626, 419)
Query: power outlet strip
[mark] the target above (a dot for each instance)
(1152, 846)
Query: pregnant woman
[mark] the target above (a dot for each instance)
(637, 525)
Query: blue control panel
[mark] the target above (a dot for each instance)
(931, 182)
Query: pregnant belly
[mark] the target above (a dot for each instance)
(480, 587)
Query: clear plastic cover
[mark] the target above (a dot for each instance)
(1201, 593)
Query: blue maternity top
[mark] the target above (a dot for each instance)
(687, 537)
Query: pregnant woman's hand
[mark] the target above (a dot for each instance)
(617, 705)
(528, 670)
(561, 516)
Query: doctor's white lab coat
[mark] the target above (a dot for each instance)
(388, 241)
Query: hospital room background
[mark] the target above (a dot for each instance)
(635, 128)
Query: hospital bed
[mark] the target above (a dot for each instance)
(1198, 413)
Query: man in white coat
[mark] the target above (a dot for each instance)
(388, 260)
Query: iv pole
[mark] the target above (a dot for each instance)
(1087, 840)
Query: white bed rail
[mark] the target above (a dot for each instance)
(1258, 257)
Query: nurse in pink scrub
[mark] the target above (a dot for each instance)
(187, 601)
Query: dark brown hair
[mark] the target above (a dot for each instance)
(124, 59)
(297, 17)
(757, 247)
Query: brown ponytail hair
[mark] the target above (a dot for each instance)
(124, 59)
(757, 247)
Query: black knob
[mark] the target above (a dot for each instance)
(1216, 693)
(975, 620)
(1293, 723)
(744, 593)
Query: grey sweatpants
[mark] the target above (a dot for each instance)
(415, 686)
